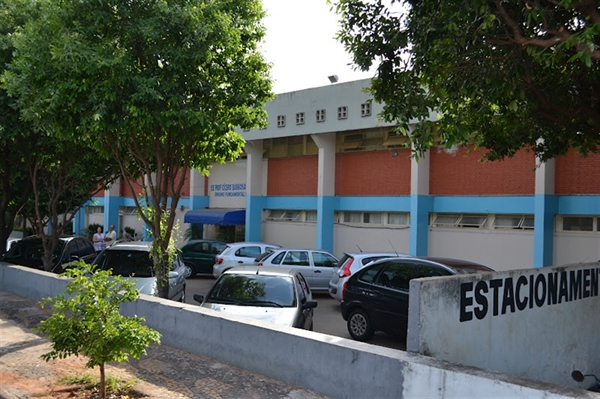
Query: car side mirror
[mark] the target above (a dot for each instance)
(309, 304)
(173, 274)
(198, 298)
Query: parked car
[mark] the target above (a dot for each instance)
(199, 255)
(239, 254)
(10, 241)
(132, 260)
(315, 265)
(273, 294)
(375, 298)
(350, 263)
(29, 251)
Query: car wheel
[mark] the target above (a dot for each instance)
(359, 325)
(189, 271)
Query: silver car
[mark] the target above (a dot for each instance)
(132, 261)
(315, 265)
(275, 295)
(239, 254)
(350, 264)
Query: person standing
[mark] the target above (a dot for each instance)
(111, 236)
(98, 240)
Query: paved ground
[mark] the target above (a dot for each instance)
(164, 372)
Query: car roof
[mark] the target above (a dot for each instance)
(37, 237)
(262, 270)
(231, 244)
(131, 245)
(454, 263)
(366, 254)
(301, 249)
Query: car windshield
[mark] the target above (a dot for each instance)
(126, 263)
(253, 290)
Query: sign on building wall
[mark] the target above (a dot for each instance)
(227, 185)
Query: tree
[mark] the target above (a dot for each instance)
(15, 146)
(158, 86)
(86, 320)
(502, 75)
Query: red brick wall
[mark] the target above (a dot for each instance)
(293, 175)
(455, 173)
(125, 191)
(372, 173)
(577, 175)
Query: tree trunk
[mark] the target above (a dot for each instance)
(102, 382)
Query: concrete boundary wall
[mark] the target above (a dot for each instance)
(537, 323)
(336, 367)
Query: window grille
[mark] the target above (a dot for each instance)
(342, 112)
(300, 118)
(320, 115)
(280, 120)
(365, 109)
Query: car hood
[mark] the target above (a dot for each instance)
(280, 316)
(145, 285)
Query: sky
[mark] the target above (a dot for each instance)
(301, 47)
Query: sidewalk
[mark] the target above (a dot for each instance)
(165, 372)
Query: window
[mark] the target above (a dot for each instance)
(513, 222)
(577, 223)
(323, 259)
(363, 217)
(365, 109)
(292, 216)
(368, 276)
(396, 276)
(458, 220)
(300, 118)
(95, 209)
(296, 258)
(280, 120)
(248, 252)
(397, 218)
(320, 115)
(342, 112)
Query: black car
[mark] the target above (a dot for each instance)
(199, 255)
(376, 297)
(29, 251)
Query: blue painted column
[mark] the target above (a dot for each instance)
(254, 190)
(112, 202)
(326, 206)
(420, 207)
(546, 208)
(421, 204)
(326, 201)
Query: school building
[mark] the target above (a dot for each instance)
(328, 173)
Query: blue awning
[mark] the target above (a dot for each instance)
(220, 216)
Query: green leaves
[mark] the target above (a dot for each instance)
(501, 75)
(86, 319)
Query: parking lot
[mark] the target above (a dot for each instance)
(327, 319)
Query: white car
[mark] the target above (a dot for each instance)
(239, 254)
(350, 264)
(275, 295)
(316, 266)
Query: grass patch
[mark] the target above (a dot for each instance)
(114, 384)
